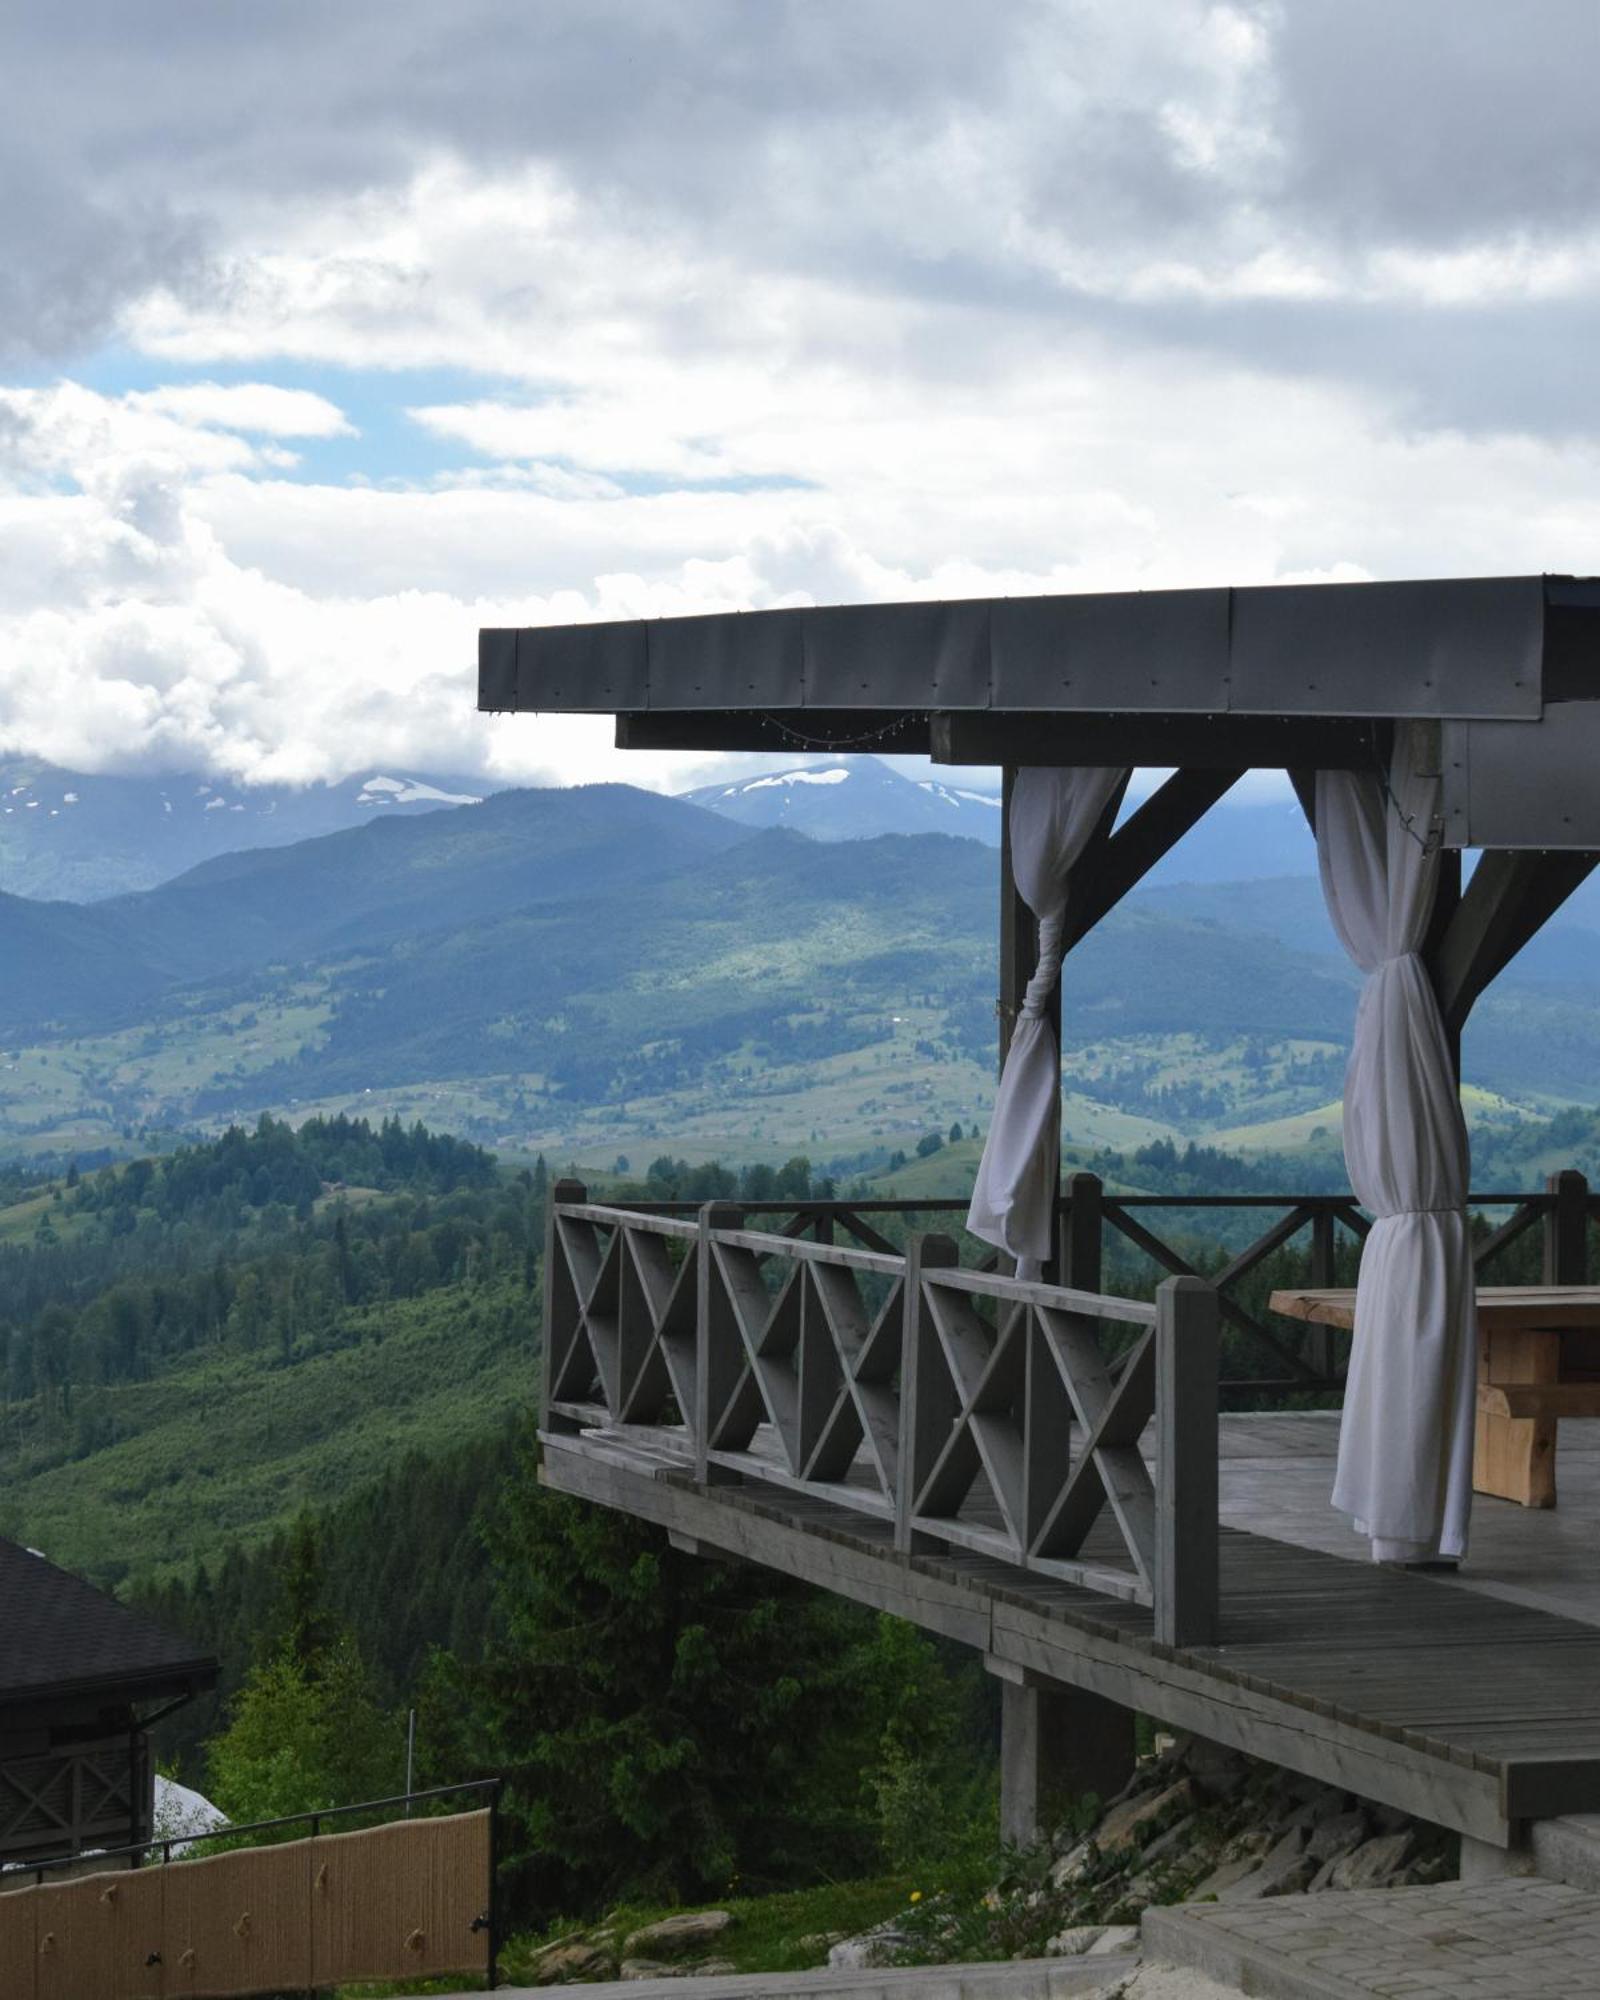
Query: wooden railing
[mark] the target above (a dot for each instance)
(959, 1407)
(1097, 1229)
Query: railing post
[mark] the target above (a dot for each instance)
(1187, 1352)
(1566, 1230)
(1319, 1338)
(1080, 1251)
(924, 1421)
(714, 1377)
(554, 1264)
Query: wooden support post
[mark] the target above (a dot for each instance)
(927, 1403)
(1019, 933)
(1056, 1744)
(1446, 903)
(1511, 895)
(554, 1290)
(1186, 1561)
(1566, 1230)
(1081, 1235)
(718, 1364)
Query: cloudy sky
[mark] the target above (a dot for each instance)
(331, 332)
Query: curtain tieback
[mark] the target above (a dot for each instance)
(1047, 971)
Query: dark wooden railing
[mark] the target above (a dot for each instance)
(799, 1344)
(942, 1400)
(1097, 1230)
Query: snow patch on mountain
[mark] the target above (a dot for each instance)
(409, 792)
(854, 798)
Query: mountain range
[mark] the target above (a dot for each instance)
(79, 836)
(591, 970)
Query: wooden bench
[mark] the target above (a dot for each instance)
(1538, 1361)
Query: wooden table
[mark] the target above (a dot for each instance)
(1538, 1361)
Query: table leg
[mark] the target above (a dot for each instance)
(1515, 1457)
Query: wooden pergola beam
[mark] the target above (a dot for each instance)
(1513, 893)
(1116, 863)
(1192, 742)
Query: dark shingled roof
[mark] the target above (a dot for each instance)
(59, 1634)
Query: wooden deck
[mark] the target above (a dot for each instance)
(1472, 1701)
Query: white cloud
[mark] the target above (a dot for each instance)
(827, 304)
(248, 406)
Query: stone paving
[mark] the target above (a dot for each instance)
(1456, 1941)
(1030, 1979)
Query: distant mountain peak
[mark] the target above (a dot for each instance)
(853, 798)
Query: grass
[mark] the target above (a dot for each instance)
(789, 1932)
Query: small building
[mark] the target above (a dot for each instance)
(82, 1678)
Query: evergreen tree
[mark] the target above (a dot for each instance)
(666, 1721)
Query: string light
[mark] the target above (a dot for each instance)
(797, 740)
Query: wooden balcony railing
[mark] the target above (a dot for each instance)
(1097, 1230)
(959, 1407)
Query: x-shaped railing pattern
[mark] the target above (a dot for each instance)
(972, 1410)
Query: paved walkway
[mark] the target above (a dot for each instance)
(1459, 1941)
(1027, 1979)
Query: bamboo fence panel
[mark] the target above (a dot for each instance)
(93, 1935)
(19, 1948)
(236, 1923)
(401, 1900)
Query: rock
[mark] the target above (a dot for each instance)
(650, 1968)
(1119, 1827)
(678, 1937)
(1170, 1841)
(1223, 1877)
(1073, 1866)
(713, 1968)
(1374, 1863)
(1114, 1938)
(1337, 1836)
(1282, 1868)
(871, 1949)
(819, 1941)
(560, 1962)
(1073, 1943)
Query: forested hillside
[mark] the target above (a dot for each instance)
(195, 1347)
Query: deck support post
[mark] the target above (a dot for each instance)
(1485, 1861)
(1056, 1744)
(1187, 1584)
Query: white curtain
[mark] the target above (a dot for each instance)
(1053, 813)
(1405, 1444)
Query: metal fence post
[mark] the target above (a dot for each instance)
(1186, 1565)
(924, 1418)
(1566, 1230)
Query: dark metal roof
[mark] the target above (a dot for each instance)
(1495, 648)
(59, 1635)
